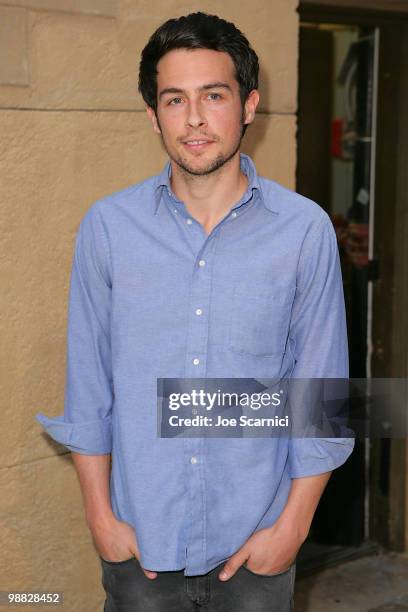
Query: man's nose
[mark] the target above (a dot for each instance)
(195, 115)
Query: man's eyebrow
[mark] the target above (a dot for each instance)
(217, 85)
(176, 90)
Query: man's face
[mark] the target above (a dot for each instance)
(199, 112)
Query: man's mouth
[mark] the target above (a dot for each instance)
(197, 143)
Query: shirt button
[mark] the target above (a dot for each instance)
(234, 214)
(175, 210)
(201, 262)
(198, 311)
(196, 361)
(193, 460)
(189, 221)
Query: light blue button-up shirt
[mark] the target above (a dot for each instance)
(152, 295)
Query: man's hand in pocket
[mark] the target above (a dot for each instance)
(116, 541)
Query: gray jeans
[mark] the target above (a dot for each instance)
(129, 590)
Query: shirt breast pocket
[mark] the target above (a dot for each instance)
(260, 319)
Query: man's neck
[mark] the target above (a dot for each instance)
(209, 198)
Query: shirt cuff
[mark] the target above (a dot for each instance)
(88, 438)
(313, 456)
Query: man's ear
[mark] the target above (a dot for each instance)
(250, 106)
(152, 116)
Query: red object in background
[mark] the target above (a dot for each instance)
(336, 147)
(353, 238)
(357, 244)
(340, 224)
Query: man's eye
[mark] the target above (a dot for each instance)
(174, 100)
(215, 94)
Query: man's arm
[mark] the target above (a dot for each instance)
(304, 496)
(114, 540)
(272, 550)
(94, 474)
(318, 332)
(85, 428)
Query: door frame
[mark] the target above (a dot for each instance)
(388, 474)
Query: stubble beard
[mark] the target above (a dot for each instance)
(213, 165)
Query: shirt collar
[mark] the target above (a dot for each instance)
(247, 166)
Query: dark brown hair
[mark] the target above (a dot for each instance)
(198, 31)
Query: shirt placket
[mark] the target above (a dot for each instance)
(204, 247)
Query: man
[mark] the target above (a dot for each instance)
(204, 271)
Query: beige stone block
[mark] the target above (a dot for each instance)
(13, 46)
(271, 142)
(159, 11)
(45, 542)
(78, 63)
(103, 8)
(82, 63)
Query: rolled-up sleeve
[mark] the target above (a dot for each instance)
(319, 334)
(86, 425)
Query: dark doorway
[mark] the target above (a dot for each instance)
(349, 67)
(335, 140)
